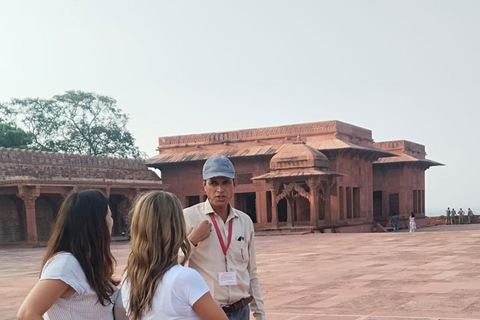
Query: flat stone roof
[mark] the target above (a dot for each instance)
(431, 274)
(321, 128)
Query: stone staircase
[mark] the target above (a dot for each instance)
(284, 231)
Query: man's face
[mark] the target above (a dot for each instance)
(219, 191)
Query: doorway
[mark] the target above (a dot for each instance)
(246, 202)
(377, 204)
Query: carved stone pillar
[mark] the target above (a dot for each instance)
(273, 192)
(325, 187)
(29, 196)
(313, 205)
(131, 195)
(107, 192)
(328, 208)
(261, 206)
(290, 209)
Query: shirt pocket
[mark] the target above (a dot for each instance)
(240, 251)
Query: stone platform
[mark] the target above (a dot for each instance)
(382, 276)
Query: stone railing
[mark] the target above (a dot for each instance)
(305, 129)
(41, 164)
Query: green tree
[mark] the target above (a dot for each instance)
(10, 135)
(76, 122)
(13, 137)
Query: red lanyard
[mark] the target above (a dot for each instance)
(219, 235)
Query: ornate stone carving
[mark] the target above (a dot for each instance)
(252, 134)
(28, 194)
(244, 178)
(292, 190)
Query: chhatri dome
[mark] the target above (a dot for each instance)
(299, 156)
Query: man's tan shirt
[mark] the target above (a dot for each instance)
(208, 258)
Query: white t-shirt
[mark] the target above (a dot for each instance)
(176, 293)
(83, 304)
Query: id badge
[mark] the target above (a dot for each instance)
(227, 278)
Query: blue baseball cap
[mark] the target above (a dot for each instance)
(218, 166)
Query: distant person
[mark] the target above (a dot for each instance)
(395, 222)
(76, 278)
(448, 216)
(461, 213)
(470, 215)
(413, 224)
(454, 213)
(155, 285)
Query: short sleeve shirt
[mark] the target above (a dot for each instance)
(175, 296)
(83, 304)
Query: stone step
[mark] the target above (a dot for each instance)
(283, 231)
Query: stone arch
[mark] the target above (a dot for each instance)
(282, 210)
(119, 206)
(12, 220)
(291, 190)
(45, 213)
(321, 206)
(302, 209)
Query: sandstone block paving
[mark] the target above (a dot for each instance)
(431, 275)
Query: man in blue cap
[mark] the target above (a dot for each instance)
(223, 250)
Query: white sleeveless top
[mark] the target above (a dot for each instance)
(83, 304)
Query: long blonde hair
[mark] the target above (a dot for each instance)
(158, 233)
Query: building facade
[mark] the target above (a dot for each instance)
(329, 175)
(33, 184)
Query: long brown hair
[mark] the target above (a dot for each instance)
(158, 234)
(81, 229)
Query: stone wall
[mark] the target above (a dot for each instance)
(403, 146)
(357, 172)
(45, 216)
(442, 220)
(435, 221)
(185, 180)
(36, 183)
(12, 228)
(51, 165)
(271, 134)
(402, 180)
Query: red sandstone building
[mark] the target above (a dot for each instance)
(33, 184)
(328, 175)
(324, 175)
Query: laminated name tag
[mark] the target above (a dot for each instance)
(227, 278)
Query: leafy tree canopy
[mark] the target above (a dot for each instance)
(11, 136)
(75, 122)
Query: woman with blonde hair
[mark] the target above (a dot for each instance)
(155, 285)
(76, 278)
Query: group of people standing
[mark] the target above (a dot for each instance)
(452, 216)
(412, 225)
(217, 241)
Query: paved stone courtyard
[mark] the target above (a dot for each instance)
(430, 274)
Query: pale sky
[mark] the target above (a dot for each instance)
(403, 69)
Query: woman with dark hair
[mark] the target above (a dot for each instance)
(76, 277)
(156, 286)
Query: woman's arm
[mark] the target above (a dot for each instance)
(209, 309)
(42, 297)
